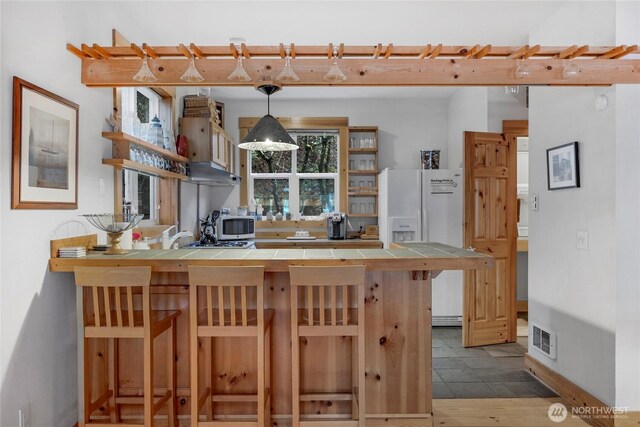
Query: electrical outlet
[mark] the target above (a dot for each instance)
(361, 225)
(582, 240)
(101, 187)
(535, 202)
(24, 417)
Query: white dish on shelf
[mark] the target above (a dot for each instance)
(301, 238)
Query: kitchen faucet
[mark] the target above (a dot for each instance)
(167, 241)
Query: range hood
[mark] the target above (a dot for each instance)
(211, 174)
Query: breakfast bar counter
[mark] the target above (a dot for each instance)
(397, 329)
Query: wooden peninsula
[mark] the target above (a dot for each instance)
(397, 323)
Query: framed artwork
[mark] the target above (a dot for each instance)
(44, 165)
(563, 170)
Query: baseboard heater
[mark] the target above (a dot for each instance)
(446, 321)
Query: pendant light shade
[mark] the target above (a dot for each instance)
(268, 134)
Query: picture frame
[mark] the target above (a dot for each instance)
(563, 167)
(44, 165)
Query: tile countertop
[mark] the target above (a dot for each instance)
(317, 243)
(418, 257)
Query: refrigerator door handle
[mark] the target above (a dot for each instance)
(425, 225)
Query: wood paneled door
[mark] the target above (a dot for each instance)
(489, 308)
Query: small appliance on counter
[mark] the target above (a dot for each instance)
(337, 226)
(234, 227)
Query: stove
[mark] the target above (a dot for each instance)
(224, 244)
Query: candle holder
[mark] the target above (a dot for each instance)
(114, 225)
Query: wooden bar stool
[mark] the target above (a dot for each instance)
(109, 313)
(325, 319)
(238, 311)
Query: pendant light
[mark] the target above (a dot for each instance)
(268, 134)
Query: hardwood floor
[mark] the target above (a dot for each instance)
(529, 412)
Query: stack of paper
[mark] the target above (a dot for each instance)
(72, 252)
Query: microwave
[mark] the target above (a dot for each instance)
(229, 227)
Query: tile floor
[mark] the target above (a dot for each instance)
(480, 372)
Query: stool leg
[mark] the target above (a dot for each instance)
(261, 375)
(87, 382)
(193, 352)
(295, 360)
(171, 374)
(148, 379)
(115, 384)
(361, 361)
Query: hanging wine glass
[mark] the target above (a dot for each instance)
(335, 74)
(570, 70)
(192, 75)
(287, 74)
(144, 74)
(239, 74)
(522, 70)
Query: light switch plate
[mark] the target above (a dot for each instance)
(101, 187)
(582, 240)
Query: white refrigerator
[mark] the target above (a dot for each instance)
(426, 206)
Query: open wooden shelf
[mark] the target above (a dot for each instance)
(126, 138)
(129, 164)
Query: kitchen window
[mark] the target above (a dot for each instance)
(304, 182)
(140, 192)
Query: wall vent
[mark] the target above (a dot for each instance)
(543, 340)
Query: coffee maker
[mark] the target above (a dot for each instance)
(337, 226)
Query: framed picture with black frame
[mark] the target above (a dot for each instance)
(563, 167)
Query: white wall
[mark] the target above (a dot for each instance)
(627, 225)
(467, 111)
(406, 126)
(505, 107)
(37, 309)
(573, 291)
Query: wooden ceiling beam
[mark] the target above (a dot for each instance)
(425, 52)
(612, 53)
(185, 51)
(377, 51)
(368, 72)
(373, 51)
(472, 52)
(137, 51)
(196, 51)
(151, 53)
(234, 50)
(531, 52)
(389, 51)
(283, 54)
(330, 51)
(245, 51)
(519, 52)
(89, 51)
(77, 52)
(101, 51)
(293, 50)
(567, 52)
(483, 52)
(581, 51)
(627, 51)
(435, 52)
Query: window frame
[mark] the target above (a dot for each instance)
(294, 176)
(341, 124)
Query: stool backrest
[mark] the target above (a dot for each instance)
(102, 281)
(231, 292)
(337, 280)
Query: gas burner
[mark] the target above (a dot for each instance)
(225, 244)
